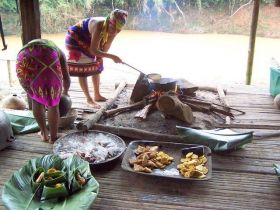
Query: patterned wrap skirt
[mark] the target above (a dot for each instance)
(39, 71)
(80, 62)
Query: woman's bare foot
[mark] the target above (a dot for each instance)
(52, 140)
(44, 136)
(93, 104)
(100, 98)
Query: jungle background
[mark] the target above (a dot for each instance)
(178, 16)
(204, 41)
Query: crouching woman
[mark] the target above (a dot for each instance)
(42, 71)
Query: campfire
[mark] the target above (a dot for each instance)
(176, 99)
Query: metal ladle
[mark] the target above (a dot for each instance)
(133, 68)
(153, 76)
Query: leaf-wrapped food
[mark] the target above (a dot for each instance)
(54, 178)
(37, 178)
(57, 191)
(77, 181)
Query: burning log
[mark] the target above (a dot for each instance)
(142, 114)
(170, 104)
(113, 112)
(222, 111)
(137, 105)
(198, 105)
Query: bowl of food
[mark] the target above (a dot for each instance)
(68, 120)
(101, 149)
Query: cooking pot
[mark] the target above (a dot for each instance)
(163, 84)
(146, 83)
(65, 105)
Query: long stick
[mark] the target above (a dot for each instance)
(135, 133)
(249, 126)
(212, 103)
(96, 116)
(2, 35)
(133, 68)
(211, 89)
(222, 97)
(137, 105)
(223, 100)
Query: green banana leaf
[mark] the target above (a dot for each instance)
(277, 170)
(17, 192)
(219, 140)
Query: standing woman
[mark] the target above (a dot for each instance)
(42, 71)
(87, 43)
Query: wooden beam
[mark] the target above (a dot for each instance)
(30, 20)
(135, 133)
(254, 25)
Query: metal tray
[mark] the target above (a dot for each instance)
(172, 149)
(62, 144)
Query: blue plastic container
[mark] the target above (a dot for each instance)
(274, 81)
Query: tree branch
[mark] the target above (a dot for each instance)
(180, 11)
(241, 7)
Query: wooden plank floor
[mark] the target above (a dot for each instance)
(242, 179)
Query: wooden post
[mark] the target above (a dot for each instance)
(30, 20)
(9, 72)
(251, 50)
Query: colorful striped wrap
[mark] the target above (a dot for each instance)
(80, 61)
(78, 39)
(39, 71)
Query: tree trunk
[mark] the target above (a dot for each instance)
(199, 5)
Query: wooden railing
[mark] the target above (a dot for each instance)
(9, 68)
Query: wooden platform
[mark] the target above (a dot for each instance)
(243, 179)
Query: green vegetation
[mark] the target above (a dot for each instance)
(182, 16)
